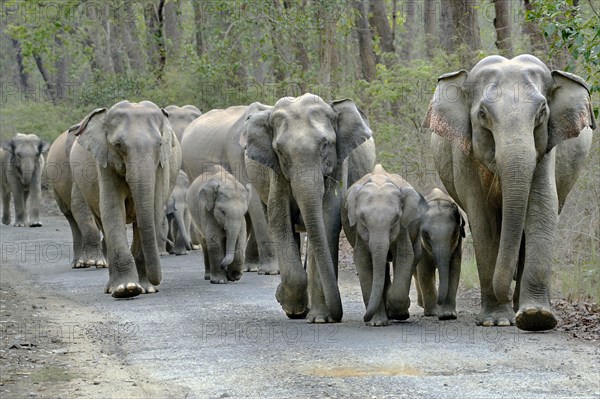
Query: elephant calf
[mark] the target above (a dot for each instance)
(22, 163)
(442, 231)
(178, 217)
(218, 204)
(381, 217)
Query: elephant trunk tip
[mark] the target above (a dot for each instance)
(368, 315)
(226, 261)
(501, 284)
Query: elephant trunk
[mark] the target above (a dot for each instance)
(309, 196)
(516, 169)
(27, 171)
(143, 193)
(232, 229)
(442, 260)
(183, 232)
(379, 247)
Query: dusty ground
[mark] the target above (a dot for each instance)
(60, 336)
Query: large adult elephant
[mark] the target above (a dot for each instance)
(214, 139)
(22, 164)
(509, 140)
(181, 117)
(125, 163)
(302, 145)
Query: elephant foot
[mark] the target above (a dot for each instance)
(268, 269)
(498, 315)
(148, 288)
(125, 290)
(218, 280)
(447, 315)
(6, 220)
(378, 320)
(83, 264)
(196, 247)
(294, 304)
(35, 224)
(251, 267)
(234, 275)
(181, 253)
(318, 315)
(398, 314)
(535, 318)
(20, 224)
(79, 264)
(207, 276)
(428, 312)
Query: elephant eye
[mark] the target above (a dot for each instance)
(482, 114)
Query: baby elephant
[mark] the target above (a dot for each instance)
(381, 217)
(442, 231)
(21, 168)
(218, 204)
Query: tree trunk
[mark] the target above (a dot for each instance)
(365, 46)
(430, 15)
(46, 76)
(156, 43)
(172, 28)
(380, 20)
(502, 26)
(410, 11)
(278, 70)
(327, 49)
(132, 44)
(447, 30)
(466, 26)
(538, 43)
(23, 75)
(199, 24)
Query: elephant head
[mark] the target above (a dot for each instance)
(133, 142)
(379, 207)
(304, 140)
(24, 152)
(508, 114)
(227, 200)
(180, 117)
(442, 228)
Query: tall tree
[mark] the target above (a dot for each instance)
(23, 75)
(538, 43)
(430, 15)
(382, 25)
(365, 45)
(154, 15)
(410, 13)
(502, 26)
(447, 30)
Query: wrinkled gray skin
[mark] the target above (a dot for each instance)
(178, 216)
(302, 145)
(442, 231)
(509, 140)
(381, 218)
(22, 162)
(214, 139)
(87, 247)
(218, 204)
(136, 158)
(181, 117)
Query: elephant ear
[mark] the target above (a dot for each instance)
(352, 127)
(168, 142)
(350, 203)
(448, 115)
(570, 108)
(8, 146)
(259, 137)
(208, 194)
(194, 112)
(414, 206)
(43, 147)
(92, 135)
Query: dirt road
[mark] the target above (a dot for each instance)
(62, 337)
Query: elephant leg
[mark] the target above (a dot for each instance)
(447, 310)
(164, 236)
(140, 264)
(91, 248)
(397, 299)
(20, 207)
(519, 276)
(76, 234)
(6, 205)
(206, 258)
(364, 266)
(292, 291)
(426, 281)
(234, 270)
(266, 253)
(35, 197)
(216, 252)
(252, 257)
(535, 311)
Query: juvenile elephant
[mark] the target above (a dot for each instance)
(22, 162)
(181, 117)
(218, 204)
(381, 217)
(134, 158)
(214, 139)
(178, 216)
(302, 154)
(87, 247)
(509, 140)
(442, 231)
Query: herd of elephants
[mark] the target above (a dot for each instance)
(509, 139)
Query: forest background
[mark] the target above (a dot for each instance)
(61, 59)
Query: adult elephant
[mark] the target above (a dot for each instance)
(303, 144)
(87, 246)
(509, 140)
(181, 117)
(214, 139)
(22, 162)
(125, 163)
